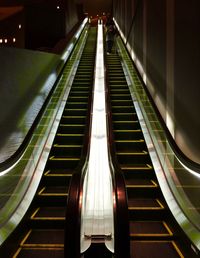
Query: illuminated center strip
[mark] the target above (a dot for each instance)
(98, 202)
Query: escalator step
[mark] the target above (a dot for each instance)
(149, 229)
(142, 182)
(71, 128)
(63, 162)
(138, 171)
(133, 157)
(52, 195)
(133, 145)
(57, 177)
(73, 119)
(58, 172)
(51, 213)
(144, 204)
(126, 125)
(76, 104)
(123, 109)
(70, 149)
(128, 135)
(56, 252)
(53, 191)
(124, 116)
(69, 138)
(40, 237)
(155, 249)
(120, 96)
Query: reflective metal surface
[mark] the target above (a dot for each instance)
(97, 208)
(19, 183)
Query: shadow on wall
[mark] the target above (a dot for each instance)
(171, 57)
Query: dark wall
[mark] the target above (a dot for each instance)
(97, 7)
(47, 21)
(12, 27)
(48, 26)
(165, 40)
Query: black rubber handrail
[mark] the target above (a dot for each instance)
(121, 216)
(74, 204)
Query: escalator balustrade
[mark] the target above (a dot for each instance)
(150, 221)
(44, 236)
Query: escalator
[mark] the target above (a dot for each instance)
(42, 230)
(153, 231)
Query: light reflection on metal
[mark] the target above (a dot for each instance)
(71, 45)
(97, 212)
(31, 166)
(190, 170)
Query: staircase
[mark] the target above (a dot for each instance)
(44, 223)
(150, 221)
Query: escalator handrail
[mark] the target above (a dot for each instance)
(74, 204)
(121, 216)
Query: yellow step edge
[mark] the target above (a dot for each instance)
(153, 185)
(43, 246)
(41, 193)
(23, 244)
(122, 122)
(177, 249)
(149, 235)
(77, 97)
(148, 167)
(67, 146)
(132, 153)
(122, 100)
(128, 131)
(117, 94)
(129, 141)
(36, 248)
(76, 102)
(75, 109)
(161, 207)
(163, 241)
(124, 107)
(72, 125)
(26, 237)
(33, 216)
(73, 116)
(169, 232)
(123, 114)
(47, 173)
(62, 159)
(70, 134)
